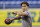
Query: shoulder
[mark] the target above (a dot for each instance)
(28, 11)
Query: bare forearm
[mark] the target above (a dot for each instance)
(20, 13)
(16, 18)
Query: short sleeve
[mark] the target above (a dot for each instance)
(28, 13)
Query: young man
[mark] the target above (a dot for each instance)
(25, 15)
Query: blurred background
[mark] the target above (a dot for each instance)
(8, 6)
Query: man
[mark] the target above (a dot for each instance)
(25, 15)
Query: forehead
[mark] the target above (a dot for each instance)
(24, 5)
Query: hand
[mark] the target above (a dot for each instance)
(14, 12)
(19, 13)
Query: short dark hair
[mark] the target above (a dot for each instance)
(25, 3)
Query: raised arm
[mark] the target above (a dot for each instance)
(16, 18)
(20, 13)
(9, 20)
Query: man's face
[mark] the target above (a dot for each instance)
(24, 7)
